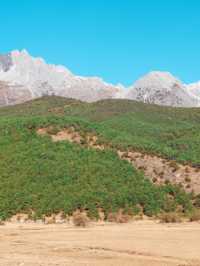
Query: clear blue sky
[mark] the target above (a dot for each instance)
(118, 40)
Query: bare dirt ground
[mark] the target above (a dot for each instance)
(139, 243)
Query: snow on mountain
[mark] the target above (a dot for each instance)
(194, 88)
(163, 89)
(23, 77)
(32, 77)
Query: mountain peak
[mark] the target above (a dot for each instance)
(162, 88)
(158, 80)
(32, 77)
(19, 53)
(25, 77)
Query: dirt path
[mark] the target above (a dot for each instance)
(141, 243)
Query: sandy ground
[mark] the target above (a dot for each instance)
(140, 243)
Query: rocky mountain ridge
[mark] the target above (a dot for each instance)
(23, 77)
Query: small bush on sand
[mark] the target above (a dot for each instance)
(118, 217)
(187, 179)
(197, 201)
(170, 217)
(174, 165)
(80, 219)
(52, 130)
(195, 216)
(50, 219)
(2, 223)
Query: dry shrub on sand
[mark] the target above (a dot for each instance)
(2, 223)
(50, 219)
(195, 216)
(170, 217)
(80, 219)
(118, 217)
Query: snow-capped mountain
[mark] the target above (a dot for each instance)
(163, 89)
(23, 77)
(194, 88)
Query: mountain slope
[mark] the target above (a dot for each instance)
(194, 88)
(41, 176)
(163, 89)
(21, 72)
(23, 77)
(169, 132)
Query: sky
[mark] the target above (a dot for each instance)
(118, 40)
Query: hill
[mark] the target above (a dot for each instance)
(41, 175)
(169, 132)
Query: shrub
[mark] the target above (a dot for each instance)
(187, 179)
(154, 180)
(197, 201)
(195, 215)
(52, 130)
(174, 165)
(80, 219)
(170, 217)
(2, 223)
(118, 217)
(49, 219)
(167, 182)
(188, 186)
